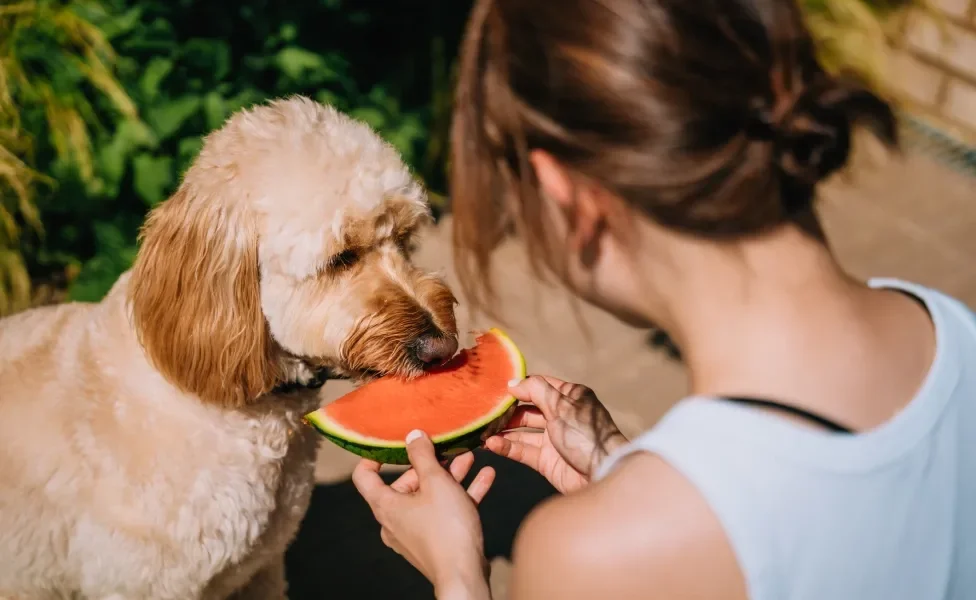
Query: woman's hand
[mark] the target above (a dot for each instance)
(576, 434)
(427, 517)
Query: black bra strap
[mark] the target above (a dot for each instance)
(823, 422)
(799, 412)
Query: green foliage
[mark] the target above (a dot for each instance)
(187, 65)
(55, 66)
(853, 34)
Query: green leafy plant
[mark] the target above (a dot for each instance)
(187, 65)
(55, 63)
(853, 34)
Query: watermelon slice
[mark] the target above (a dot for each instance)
(459, 404)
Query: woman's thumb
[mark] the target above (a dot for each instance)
(536, 390)
(420, 451)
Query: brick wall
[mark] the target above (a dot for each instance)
(933, 66)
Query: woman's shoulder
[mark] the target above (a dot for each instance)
(643, 531)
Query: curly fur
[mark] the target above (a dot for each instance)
(145, 450)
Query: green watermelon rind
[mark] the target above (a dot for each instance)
(469, 437)
(397, 455)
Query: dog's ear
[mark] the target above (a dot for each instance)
(196, 301)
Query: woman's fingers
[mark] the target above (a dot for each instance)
(527, 416)
(407, 483)
(555, 381)
(366, 478)
(420, 451)
(461, 465)
(573, 391)
(521, 452)
(481, 484)
(536, 390)
(528, 438)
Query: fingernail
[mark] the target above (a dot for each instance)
(416, 434)
(514, 382)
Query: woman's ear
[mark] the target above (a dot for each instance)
(196, 300)
(554, 180)
(580, 201)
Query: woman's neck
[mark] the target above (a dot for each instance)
(777, 318)
(738, 311)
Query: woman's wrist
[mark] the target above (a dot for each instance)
(606, 450)
(470, 582)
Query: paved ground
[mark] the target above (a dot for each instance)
(908, 218)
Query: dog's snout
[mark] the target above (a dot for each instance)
(434, 349)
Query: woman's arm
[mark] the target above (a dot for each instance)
(644, 532)
(468, 582)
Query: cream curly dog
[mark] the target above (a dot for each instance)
(151, 445)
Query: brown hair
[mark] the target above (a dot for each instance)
(713, 117)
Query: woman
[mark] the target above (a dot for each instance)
(661, 158)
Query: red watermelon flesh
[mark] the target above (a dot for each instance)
(458, 404)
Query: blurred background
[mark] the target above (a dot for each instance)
(103, 104)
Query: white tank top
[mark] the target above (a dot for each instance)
(888, 514)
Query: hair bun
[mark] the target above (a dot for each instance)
(811, 130)
(815, 135)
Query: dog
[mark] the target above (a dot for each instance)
(152, 445)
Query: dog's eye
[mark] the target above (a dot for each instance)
(343, 260)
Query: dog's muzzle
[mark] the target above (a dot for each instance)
(433, 349)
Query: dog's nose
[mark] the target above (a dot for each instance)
(434, 349)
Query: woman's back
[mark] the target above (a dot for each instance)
(888, 514)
